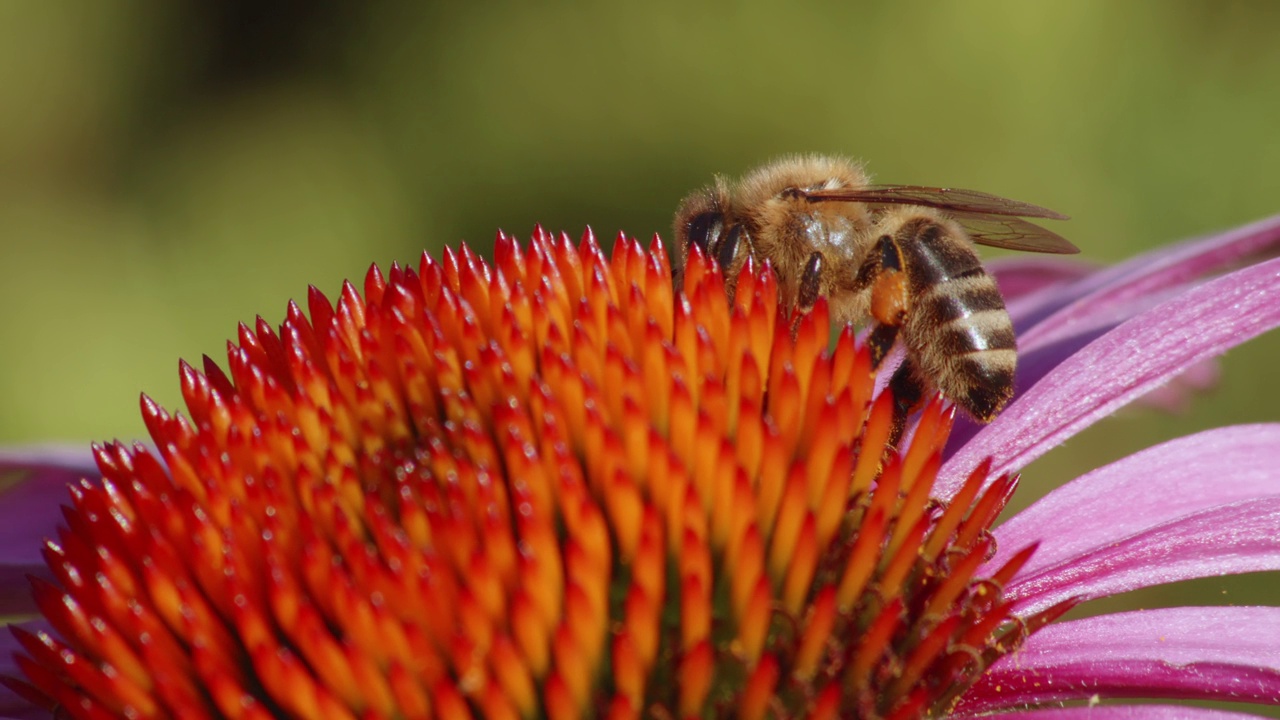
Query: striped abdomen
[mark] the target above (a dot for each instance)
(957, 332)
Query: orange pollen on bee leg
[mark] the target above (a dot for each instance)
(889, 298)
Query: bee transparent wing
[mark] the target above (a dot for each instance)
(1013, 233)
(970, 201)
(989, 219)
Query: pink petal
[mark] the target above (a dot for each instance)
(1207, 653)
(1121, 712)
(35, 485)
(1126, 363)
(1230, 539)
(1145, 274)
(1175, 396)
(1151, 488)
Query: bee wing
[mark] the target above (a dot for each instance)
(1013, 233)
(970, 201)
(990, 219)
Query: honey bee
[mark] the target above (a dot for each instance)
(901, 256)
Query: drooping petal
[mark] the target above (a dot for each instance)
(33, 484)
(1123, 712)
(1124, 364)
(1143, 491)
(73, 458)
(1209, 653)
(1227, 540)
(1142, 276)
(1057, 321)
(1021, 276)
(1035, 361)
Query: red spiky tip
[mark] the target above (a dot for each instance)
(550, 486)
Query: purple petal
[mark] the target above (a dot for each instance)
(74, 458)
(1159, 485)
(1036, 362)
(1021, 275)
(1207, 653)
(1055, 322)
(35, 485)
(1227, 540)
(1143, 275)
(1126, 363)
(1121, 712)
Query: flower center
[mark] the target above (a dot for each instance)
(547, 487)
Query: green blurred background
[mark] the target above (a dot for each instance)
(168, 169)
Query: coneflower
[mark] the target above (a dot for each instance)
(555, 486)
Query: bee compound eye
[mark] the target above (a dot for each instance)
(704, 230)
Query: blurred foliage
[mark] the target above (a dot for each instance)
(168, 169)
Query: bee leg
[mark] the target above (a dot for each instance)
(907, 394)
(880, 340)
(890, 303)
(809, 290)
(890, 299)
(810, 283)
(725, 250)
